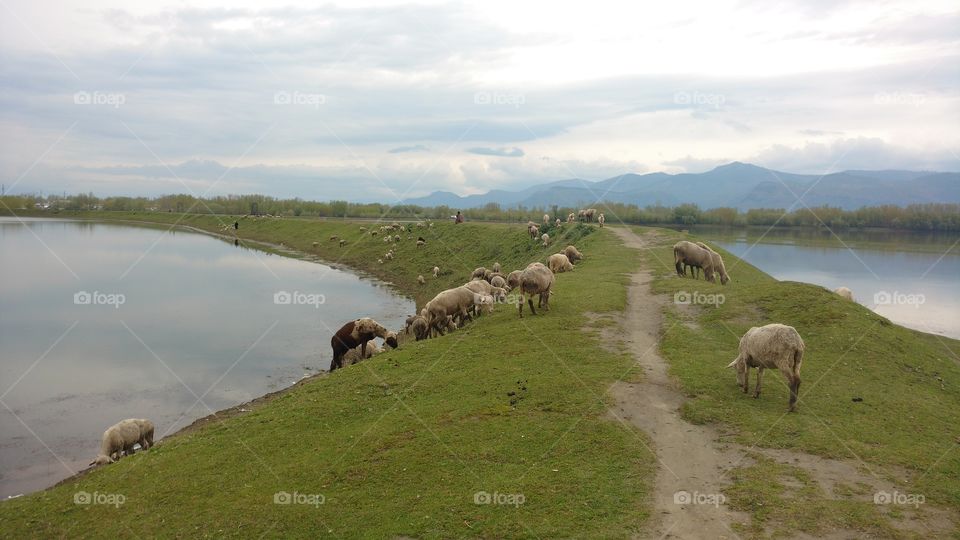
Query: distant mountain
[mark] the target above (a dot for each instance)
(739, 185)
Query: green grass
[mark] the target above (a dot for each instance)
(399, 445)
(909, 419)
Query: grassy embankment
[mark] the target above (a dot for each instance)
(400, 444)
(907, 424)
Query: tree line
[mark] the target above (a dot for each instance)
(927, 217)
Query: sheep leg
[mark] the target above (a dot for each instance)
(756, 393)
(746, 380)
(530, 301)
(794, 390)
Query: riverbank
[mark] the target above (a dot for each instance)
(409, 443)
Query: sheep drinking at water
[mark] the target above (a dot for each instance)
(120, 438)
(358, 332)
(771, 346)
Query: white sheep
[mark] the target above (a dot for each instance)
(571, 217)
(844, 293)
(120, 438)
(420, 279)
(315, 244)
(453, 302)
(601, 220)
(379, 261)
(535, 279)
(496, 268)
(557, 222)
(558, 262)
(421, 243)
(534, 231)
(771, 346)
(546, 219)
(498, 281)
(388, 256)
(396, 238)
(513, 279)
(479, 273)
(436, 271)
(545, 238)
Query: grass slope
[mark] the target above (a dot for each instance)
(400, 444)
(909, 381)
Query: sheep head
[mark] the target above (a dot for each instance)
(391, 339)
(741, 367)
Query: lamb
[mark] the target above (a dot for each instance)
(356, 355)
(535, 279)
(436, 271)
(688, 253)
(844, 293)
(496, 268)
(545, 238)
(513, 279)
(419, 327)
(546, 219)
(717, 264)
(558, 262)
(420, 279)
(572, 254)
(499, 281)
(358, 332)
(601, 220)
(478, 273)
(771, 346)
(120, 438)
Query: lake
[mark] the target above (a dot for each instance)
(101, 322)
(912, 278)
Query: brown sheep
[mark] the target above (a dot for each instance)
(357, 332)
(688, 253)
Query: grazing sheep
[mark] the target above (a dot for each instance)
(454, 302)
(690, 254)
(421, 225)
(496, 268)
(387, 239)
(546, 219)
(436, 271)
(396, 238)
(717, 264)
(844, 293)
(557, 223)
(513, 279)
(363, 229)
(558, 262)
(120, 438)
(488, 275)
(420, 279)
(342, 242)
(535, 279)
(601, 220)
(315, 244)
(545, 238)
(419, 327)
(358, 332)
(478, 273)
(573, 254)
(388, 256)
(333, 237)
(498, 293)
(498, 281)
(571, 217)
(373, 233)
(534, 231)
(420, 243)
(379, 261)
(771, 346)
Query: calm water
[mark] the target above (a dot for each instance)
(911, 278)
(197, 320)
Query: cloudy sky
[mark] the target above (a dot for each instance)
(381, 100)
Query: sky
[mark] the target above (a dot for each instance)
(383, 101)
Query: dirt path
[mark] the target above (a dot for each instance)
(691, 465)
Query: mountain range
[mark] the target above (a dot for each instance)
(738, 185)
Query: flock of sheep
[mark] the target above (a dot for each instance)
(771, 346)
